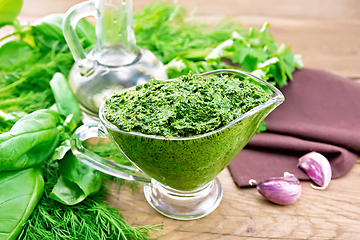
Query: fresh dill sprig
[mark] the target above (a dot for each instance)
(185, 44)
(93, 218)
(27, 88)
(168, 31)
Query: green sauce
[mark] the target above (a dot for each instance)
(190, 106)
(177, 113)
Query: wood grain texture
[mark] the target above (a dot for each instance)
(327, 35)
(245, 214)
(292, 9)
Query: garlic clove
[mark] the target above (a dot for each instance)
(318, 168)
(282, 190)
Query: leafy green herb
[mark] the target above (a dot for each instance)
(262, 127)
(9, 9)
(20, 192)
(191, 105)
(93, 218)
(186, 45)
(28, 63)
(61, 150)
(25, 87)
(15, 48)
(168, 31)
(77, 181)
(66, 102)
(30, 141)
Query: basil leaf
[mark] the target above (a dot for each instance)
(20, 192)
(14, 53)
(9, 10)
(61, 150)
(66, 102)
(67, 192)
(78, 181)
(30, 141)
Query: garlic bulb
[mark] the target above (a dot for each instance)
(317, 167)
(282, 190)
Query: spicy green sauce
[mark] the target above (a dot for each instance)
(176, 113)
(189, 106)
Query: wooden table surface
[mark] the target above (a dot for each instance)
(327, 35)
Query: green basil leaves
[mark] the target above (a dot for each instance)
(77, 181)
(17, 205)
(66, 102)
(30, 141)
(9, 9)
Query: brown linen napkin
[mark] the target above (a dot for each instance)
(321, 112)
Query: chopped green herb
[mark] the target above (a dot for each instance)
(191, 105)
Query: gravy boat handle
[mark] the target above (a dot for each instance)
(86, 156)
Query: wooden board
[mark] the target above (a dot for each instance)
(291, 9)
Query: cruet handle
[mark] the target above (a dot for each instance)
(91, 159)
(71, 18)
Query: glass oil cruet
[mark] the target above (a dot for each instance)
(116, 62)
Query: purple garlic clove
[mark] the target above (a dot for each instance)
(317, 167)
(282, 190)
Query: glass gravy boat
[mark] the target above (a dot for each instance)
(179, 172)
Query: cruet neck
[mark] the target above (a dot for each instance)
(116, 43)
